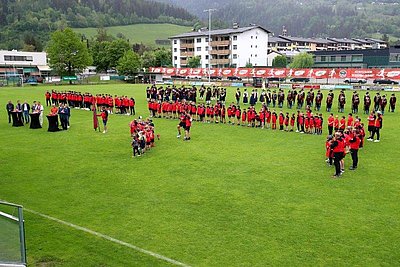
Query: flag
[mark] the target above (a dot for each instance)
(95, 120)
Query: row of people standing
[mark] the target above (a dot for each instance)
(276, 98)
(74, 99)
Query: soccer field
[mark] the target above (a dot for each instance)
(232, 196)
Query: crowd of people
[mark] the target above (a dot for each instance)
(63, 111)
(143, 136)
(122, 104)
(273, 98)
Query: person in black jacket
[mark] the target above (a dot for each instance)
(9, 108)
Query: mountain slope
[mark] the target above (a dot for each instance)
(29, 22)
(339, 18)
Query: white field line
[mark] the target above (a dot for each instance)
(109, 238)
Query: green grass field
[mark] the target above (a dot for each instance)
(232, 196)
(140, 33)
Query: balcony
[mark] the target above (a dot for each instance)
(187, 54)
(220, 61)
(220, 52)
(187, 45)
(220, 43)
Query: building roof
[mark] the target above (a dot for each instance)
(274, 39)
(344, 40)
(218, 32)
(296, 39)
(375, 40)
(365, 52)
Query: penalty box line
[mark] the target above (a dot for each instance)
(109, 238)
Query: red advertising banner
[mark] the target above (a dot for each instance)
(352, 73)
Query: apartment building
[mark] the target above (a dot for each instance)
(23, 63)
(227, 48)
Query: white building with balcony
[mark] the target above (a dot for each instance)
(227, 48)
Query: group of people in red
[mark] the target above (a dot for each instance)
(142, 133)
(122, 104)
(348, 137)
(265, 118)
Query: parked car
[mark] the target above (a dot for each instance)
(275, 79)
(216, 78)
(355, 81)
(258, 82)
(234, 78)
(300, 80)
(385, 81)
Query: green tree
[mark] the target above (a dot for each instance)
(302, 60)
(149, 59)
(163, 57)
(279, 62)
(115, 50)
(248, 64)
(194, 62)
(67, 54)
(129, 63)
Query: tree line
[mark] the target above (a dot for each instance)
(26, 24)
(69, 54)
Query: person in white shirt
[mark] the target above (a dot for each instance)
(25, 109)
(40, 109)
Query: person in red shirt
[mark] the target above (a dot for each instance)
(182, 124)
(338, 149)
(132, 105)
(104, 117)
(188, 124)
(286, 122)
(350, 120)
(273, 119)
(281, 120)
(354, 144)
(342, 124)
(329, 153)
(336, 123)
(48, 96)
(292, 122)
(331, 121)
(244, 117)
(371, 125)
(238, 115)
(377, 128)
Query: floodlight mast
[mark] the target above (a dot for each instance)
(209, 11)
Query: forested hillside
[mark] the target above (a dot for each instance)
(307, 18)
(27, 23)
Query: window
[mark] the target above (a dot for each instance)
(333, 58)
(175, 49)
(234, 47)
(175, 41)
(357, 58)
(206, 48)
(251, 46)
(256, 46)
(256, 37)
(207, 57)
(251, 55)
(198, 40)
(323, 58)
(198, 49)
(175, 58)
(234, 56)
(252, 37)
(18, 58)
(343, 58)
(207, 39)
(234, 37)
(206, 65)
(255, 55)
